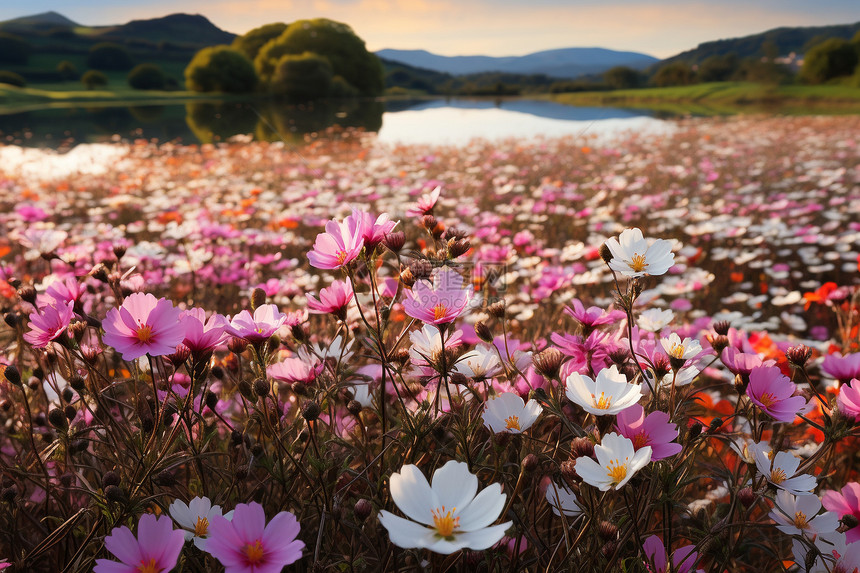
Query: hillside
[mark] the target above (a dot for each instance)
(45, 20)
(184, 29)
(782, 41)
(561, 63)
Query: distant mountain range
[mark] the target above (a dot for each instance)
(561, 63)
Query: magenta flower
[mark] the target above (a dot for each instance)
(375, 230)
(65, 290)
(202, 335)
(155, 550)
(593, 316)
(296, 370)
(846, 502)
(843, 368)
(440, 302)
(741, 362)
(340, 244)
(683, 559)
(246, 544)
(773, 392)
(333, 300)
(256, 328)
(49, 323)
(425, 204)
(653, 430)
(143, 325)
(849, 399)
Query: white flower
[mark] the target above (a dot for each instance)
(426, 345)
(616, 462)
(562, 500)
(780, 472)
(194, 518)
(748, 449)
(681, 349)
(508, 413)
(449, 514)
(361, 394)
(683, 377)
(608, 393)
(798, 515)
(481, 363)
(655, 319)
(632, 256)
(834, 553)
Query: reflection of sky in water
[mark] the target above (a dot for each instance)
(440, 122)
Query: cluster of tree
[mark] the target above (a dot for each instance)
(308, 59)
(832, 59)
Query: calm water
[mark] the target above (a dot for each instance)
(453, 121)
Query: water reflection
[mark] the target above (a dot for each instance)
(397, 121)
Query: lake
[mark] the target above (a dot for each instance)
(437, 121)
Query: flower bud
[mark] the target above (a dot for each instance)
(354, 407)
(421, 269)
(28, 294)
(581, 447)
(262, 387)
(12, 375)
(746, 496)
(548, 362)
(237, 345)
(362, 509)
(180, 355)
(394, 241)
(100, 272)
(718, 342)
(798, 355)
(211, 400)
(258, 298)
(310, 410)
(568, 470)
(458, 247)
(721, 327)
(110, 478)
(607, 530)
(483, 331)
(246, 389)
(530, 463)
(497, 309)
(11, 319)
(58, 419)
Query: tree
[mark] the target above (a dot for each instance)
(674, 74)
(12, 79)
(251, 42)
(147, 77)
(67, 70)
(220, 69)
(830, 59)
(109, 56)
(621, 78)
(13, 49)
(336, 42)
(718, 68)
(303, 77)
(93, 79)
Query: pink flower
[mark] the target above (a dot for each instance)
(296, 370)
(246, 544)
(375, 229)
(653, 430)
(155, 550)
(440, 302)
(49, 323)
(333, 300)
(683, 558)
(340, 244)
(773, 392)
(425, 204)
(848, 399)
(592, 316)
(843, 368)
(202, 335)
(740, 362)
(845, 503)
(65, 290)
(256, 328)
(143, 325)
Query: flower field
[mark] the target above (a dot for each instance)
(638, 354)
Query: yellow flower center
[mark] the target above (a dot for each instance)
(144, 333)
(800, 520)
(201, 528)
(439, 311)
(637, 263)
(777, 476)
(640, 440)
(677, 351)
(254, 553)
(445, 522)
(616, 472)
(512, 423)
(150, 567)
(603, 402)
(767, 400)
(341, 257)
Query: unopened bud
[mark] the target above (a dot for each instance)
(28, 294)
(100, 272)
(310, 410)
(110, 478)
(746, 496)
(607, 530)
(395, 241)
(568, 470)
(258, 298)
(362, 509)
(605, 253)
(458, 247)
(180, 355)
(12, 375)
(718, 342)
(497, 309)
(530, 463)
(262, 387)
(548, 362)
(798, 355)
(11, 319)
(483, 331)
(58, 419)
(354, 407)
(237, 345)
(211, 400)
(721, 327)
(581, 447)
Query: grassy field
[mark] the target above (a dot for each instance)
(725, 97)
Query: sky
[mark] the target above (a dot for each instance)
(661, 28)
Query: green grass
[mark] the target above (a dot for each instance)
(725, 97)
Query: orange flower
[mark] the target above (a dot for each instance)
(820, 295)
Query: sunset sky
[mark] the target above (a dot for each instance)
(491, 27)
